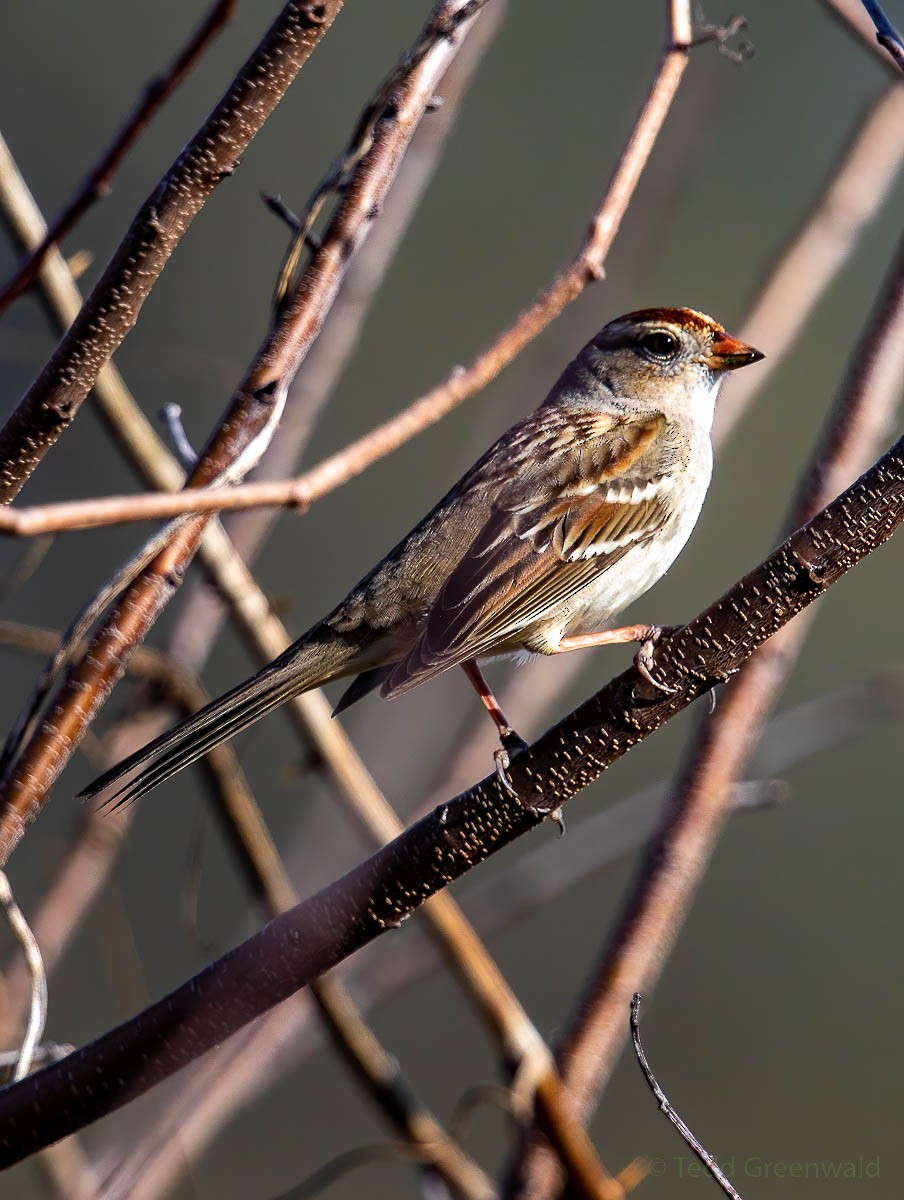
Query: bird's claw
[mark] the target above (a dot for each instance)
(643, 659)
(512, 744)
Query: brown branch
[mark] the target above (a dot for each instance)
(521, 1044)
(99, 180)
(52, 402)
(464, 382)
(286, 1036)
(376, 1069)
(149, 506)
(62, 300)
(858, 184)
(677, 856)
(521, 1039)
(200, 615)
(300, 945)
(262, 391)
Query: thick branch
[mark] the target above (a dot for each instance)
(51, 404)
(99, 179)
(261, 393)
(319, 933)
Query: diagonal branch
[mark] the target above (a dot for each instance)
(319, 933)
(99, 179)
(53, 400)
(237, 438)
(677, 855)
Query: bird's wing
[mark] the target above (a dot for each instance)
(601, 487)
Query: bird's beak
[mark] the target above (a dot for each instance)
(729, 352)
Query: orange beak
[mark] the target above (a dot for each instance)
(729, 352)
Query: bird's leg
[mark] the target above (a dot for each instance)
(511, 741)
(647, 635)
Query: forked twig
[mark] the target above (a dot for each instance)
(237, 440)
(665, 1107)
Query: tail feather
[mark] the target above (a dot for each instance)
(298, 670)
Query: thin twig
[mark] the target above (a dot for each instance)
(465, 381)
(37, 1017)
(859, 183)
(521, 1037)
(286, 1036)
(677, 856)
(54, 399)
(198, 621)
(665, 1106)
(375, 896)
(237, 440)
(99, 180)
(150, 506)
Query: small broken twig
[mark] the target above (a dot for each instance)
(665, 1106)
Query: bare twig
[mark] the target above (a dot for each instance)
(522, 1045)
(171, 416)
(286, 1036)
(311, 938)
(196, 625)
(116, 510)
(859, 183)
(264, 388)
(665, 1106)
(465, 381)
(886, 34)
(99, 180)
(37, 1018)
(587, 266)
(677, 856)
(575, 1140)
(52, 402)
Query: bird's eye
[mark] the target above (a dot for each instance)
(659, 345)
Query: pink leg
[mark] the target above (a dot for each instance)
(647, 635)
(507, 735)
(491, 704)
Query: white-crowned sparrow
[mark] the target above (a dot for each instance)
(572, 514)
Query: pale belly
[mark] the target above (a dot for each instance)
(595, 605)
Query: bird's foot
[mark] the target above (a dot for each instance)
(512, 745)
(643, 659)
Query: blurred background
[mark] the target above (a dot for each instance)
(775, 1026)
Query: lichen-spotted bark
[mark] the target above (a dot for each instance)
(51, 403)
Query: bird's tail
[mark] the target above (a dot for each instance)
(305, 665)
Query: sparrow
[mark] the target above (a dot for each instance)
(572, 514)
